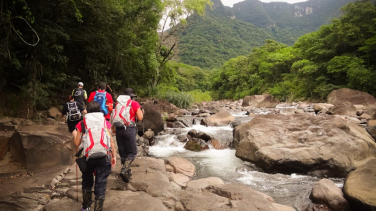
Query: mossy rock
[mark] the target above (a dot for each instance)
(193, 146)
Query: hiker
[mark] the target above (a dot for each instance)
(100, 157)
(127, 111)
(73, 112)
(103, 98)
(79, 94)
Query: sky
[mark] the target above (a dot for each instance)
(231, 2)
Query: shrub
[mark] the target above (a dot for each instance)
(180, 99)
(199, 96)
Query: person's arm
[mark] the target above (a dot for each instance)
(140, 114)
(85, 95)
(113, 158)
(77, 140)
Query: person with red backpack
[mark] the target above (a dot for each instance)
(103, 98)
(95, 140)
(127, 111)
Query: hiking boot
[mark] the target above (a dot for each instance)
(98, 206)
(125, 174)
(86, 200)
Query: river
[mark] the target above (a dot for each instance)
(292, 190)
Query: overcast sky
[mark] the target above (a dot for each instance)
(231, 2)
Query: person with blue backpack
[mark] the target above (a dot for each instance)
(103, 98)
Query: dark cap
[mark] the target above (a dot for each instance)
(130, 92)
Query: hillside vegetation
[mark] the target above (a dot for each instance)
(337, 55)
(225, 32)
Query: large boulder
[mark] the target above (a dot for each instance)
(152, 119)
(222, 118)
(355, 97)
(259, 101)
(43, 147)
(326, 192)
(54, 113)
(317, 145)
(372, 131)
(344, 108)
(360, 187)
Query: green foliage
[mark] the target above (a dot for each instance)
(338, 55)
(200, 96)
(180, 99)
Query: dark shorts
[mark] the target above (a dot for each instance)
(72, 125)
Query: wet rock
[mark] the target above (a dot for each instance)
(304, 144)
(182, 138)
(4, 143)
(171, 117)
(353, 96)
(42, 147)
(204, 115)
(149, 134)
(201, 184)
(54, 113)
(359, 112)
(203, 136)
(193, 145)
(182, 165)
(326, 192)
(192, 133)
(216, 144)
(345, 108)
(317, 207)
(259, 101)
(223, 118)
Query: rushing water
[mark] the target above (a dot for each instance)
(292, 190)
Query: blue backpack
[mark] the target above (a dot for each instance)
(100, 97)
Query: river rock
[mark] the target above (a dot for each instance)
(326, 192)
(4, 143)
(201, 184)
(372, 131)
(43, 147)
(360, 187)
(193, 145)
(182, 165)
(259, 101)
(216, 144)
(152, 119)
(193, 200)
(245, 198)
(223, 118)
(171, 117)
(316, 145)
(354, 96)
(320, 106)
(345, 108)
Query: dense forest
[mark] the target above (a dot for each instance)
(47, 47)
(224, 33)
(340, 54)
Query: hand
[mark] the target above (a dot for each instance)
(113, 161)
